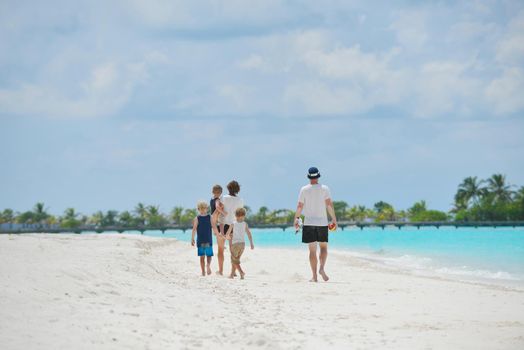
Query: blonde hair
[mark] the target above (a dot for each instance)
(201, 205)
(240, 212)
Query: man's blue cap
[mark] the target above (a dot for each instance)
(313, 173)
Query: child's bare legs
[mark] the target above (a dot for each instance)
(313, 261)
(220, 254)
(203, 265)
(234, 273)
(233, 268)
(209, 265)
(242, 274)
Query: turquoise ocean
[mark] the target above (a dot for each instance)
(484, 253)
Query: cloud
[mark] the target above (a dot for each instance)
(505, 92)
(411, 29)
(418, 60)
(106, 89)
(253, 62)
(510, 49)
(444, 87)
(210, 18)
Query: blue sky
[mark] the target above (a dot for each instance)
(105, 104)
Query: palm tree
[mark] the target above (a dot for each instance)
(176, 214)
(362, 212)
(97, 218)
(417, 208)
(7, 216)
(340, 209)
(110, 218)
(69, 220)
(188, 216)
(261, 216)
(141, 212)
(154, 217)
(126, 219)
(499, 188)
(519, 195)
(40, 212)
(381, 206)
(469, 190)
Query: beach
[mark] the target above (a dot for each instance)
(136, 292)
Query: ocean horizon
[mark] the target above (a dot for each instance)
(484, 254)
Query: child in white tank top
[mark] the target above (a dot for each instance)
(236, 233)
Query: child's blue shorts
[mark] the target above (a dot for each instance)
(205, 250)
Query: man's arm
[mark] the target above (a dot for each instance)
(298, 212)
(331, 211)
(195, 224)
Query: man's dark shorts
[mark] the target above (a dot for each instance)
(312, 234)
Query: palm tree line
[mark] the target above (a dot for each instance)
(492, 199)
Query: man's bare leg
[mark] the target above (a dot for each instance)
(203, 265)
(220, 254)
(313, 261)
(323, 258)
(209, 265)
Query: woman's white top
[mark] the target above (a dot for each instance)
(231, 204)
(239, 231)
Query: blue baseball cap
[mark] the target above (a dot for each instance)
(313, 173)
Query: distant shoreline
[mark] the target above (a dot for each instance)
(342, 225)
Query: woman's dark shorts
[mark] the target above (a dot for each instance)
(312, 234)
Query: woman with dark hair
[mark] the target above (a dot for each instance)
(231, 203)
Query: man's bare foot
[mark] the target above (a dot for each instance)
(209, 270)
(203, 273)
(231, 276)
(314, 279)
(220, 273)
(324, 276)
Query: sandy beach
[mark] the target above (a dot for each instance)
(135, 292)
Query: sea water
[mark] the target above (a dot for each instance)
(485, 253)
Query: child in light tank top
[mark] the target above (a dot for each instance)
(236, 234)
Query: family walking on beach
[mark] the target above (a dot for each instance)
(226, 221)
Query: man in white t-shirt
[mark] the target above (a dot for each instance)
(314, 201)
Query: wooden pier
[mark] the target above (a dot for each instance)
(342, 225)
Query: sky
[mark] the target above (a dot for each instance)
(107, 104)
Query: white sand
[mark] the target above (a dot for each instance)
(133, 292)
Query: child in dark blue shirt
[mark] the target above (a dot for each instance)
(204, 225)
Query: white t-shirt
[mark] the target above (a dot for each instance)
(314, 199)
(239, 231)
(231, 204)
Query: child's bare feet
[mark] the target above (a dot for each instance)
(323, 274)
(314, 279)
(242, 274)
(231, 276)
(208, 270)
(220, 273)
